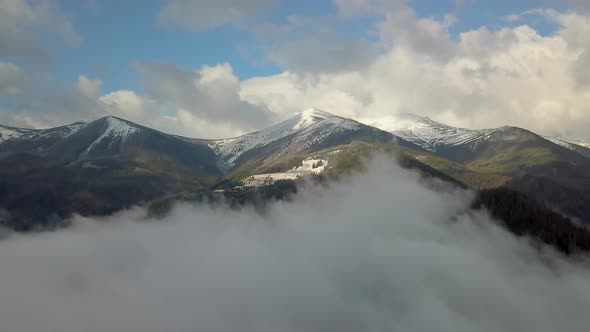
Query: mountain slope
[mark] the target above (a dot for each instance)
(95, 168)
(579, 147)
(286, 144)
(101, 166)
(519, 159)
(485, 148)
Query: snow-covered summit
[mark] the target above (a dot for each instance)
(12, 134)
(568, 142)
(431, 134)
(310, 116)
(113, 129)
(311, 122)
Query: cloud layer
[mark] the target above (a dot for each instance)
(389, 254)
(480, 78)
(367, 59)
(19, 17)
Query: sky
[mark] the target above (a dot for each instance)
(204, 68)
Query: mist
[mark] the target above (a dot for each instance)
(378, 251)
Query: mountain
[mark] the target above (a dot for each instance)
(101, 166)
(287, 144)
(20, 139)
(95, 168)
(578, 146)
(468, 145)
(555, 174)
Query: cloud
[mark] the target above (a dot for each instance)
(21, 20)
(203, 14)
(481, 78)
(166, 118)
(378, 252)
(209, 95)
(314, 45)
(11, 80)
(32, 98)
(424, 36)
(202, 103)
(323, 52)
(88, 87)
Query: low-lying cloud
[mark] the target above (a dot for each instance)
(380, 251)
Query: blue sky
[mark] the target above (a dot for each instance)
(224, 67)
(118, 33)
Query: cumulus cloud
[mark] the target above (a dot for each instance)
(19, 17)
(477, 78)
(314, 45)
(205, 14)
(32, 98)
(166, 118)
(89, 87)
(12, 80)
(481, 78)
(323, 52)
(389, 254)
(210, 95)
(196, 103)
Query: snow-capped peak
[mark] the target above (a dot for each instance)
(10, 133)
(429, 133)
(311, 116)
(230, 149)
(572, 144)
(115, 129)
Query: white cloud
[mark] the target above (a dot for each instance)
(166, 118)
(483, 78)
(327, 52)
(205, 14)
(209, 95)
(480, 78)
(200, 103)
(314, 45)
(32, 98)
(380, 252)
(19, 17)
(11, 80)
(89, 87)
(424, 36)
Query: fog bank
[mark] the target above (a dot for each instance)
(380, 251)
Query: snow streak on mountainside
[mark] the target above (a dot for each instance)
(14, 134)
(574, 145)
(116, 129)
(571, 144)
(104, 132)
(430, 134)
(311, 125)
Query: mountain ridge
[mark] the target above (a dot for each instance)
(124, 155)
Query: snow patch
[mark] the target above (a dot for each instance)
(260, 180)
(430, 134)
(116, 129)
(310, 166)
(311, 127)
(571, 144)
(8, 133)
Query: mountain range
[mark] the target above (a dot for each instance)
(101, 166)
